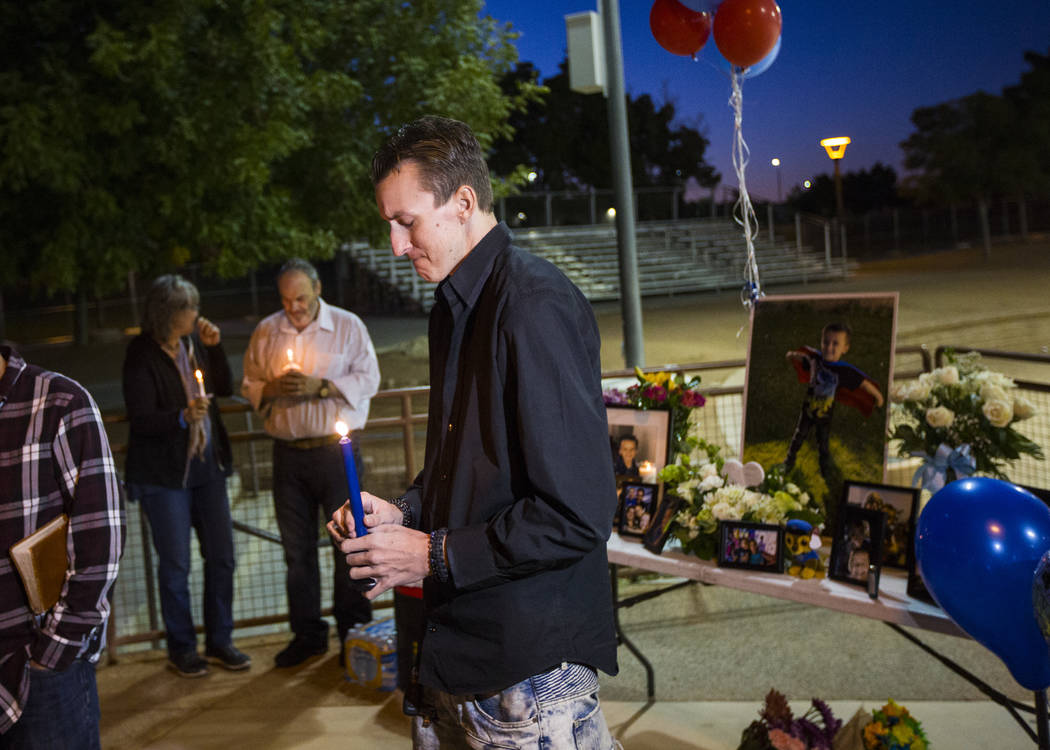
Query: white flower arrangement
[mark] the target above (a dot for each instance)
(697, 478)
(963, 404)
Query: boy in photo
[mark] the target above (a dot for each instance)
(828, 379)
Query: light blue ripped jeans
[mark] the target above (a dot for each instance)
(549, 711)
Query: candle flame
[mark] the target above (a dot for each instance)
(645, 466)
(199, 375)
(341, 428)
(291, 355)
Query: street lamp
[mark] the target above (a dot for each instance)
(836, 148)
(776, 163)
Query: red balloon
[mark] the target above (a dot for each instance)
(678, 29)
(747, 30)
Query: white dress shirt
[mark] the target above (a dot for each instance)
(335, 346)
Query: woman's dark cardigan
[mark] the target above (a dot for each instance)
(154, 397)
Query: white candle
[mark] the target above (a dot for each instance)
(291, 364)
(200, 382)
(647, 472)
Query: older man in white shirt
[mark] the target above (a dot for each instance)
(307, 367)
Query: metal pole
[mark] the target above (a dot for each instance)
(769, 214)
(838, 190)
(798, 233)
(630, 292)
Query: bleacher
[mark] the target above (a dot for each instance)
(674, 257)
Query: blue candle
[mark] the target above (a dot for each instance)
(350, 467)
(357, 511)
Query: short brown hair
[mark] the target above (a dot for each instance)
(446, 153)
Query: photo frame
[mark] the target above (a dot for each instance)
(659, 530)
(638, 501)
(857, 546)
(755, 546)
(818, 410)
(901, 507)
(650, 430)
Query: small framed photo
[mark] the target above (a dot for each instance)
(637, 505)
(857, 546)
(640, 441)
(900, 506)
(660, 529)
(756, 546)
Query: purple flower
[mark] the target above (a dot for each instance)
(655, 393)
(692, 399)
(614, 397)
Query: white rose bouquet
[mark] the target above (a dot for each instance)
(961, 416)
(697, 477)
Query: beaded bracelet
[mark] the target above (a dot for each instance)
(406, 511)
(437, 566)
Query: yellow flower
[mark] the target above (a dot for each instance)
(893, 708)
(902, 734)
(872, 735)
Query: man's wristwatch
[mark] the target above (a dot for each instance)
(325, 390)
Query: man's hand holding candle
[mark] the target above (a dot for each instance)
(293, 383)
(390, 553)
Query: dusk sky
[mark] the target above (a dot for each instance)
(845, 68)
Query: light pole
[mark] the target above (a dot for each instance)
(836, 148)
(776, 163)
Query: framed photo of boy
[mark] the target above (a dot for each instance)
(756, 546)
(660, 529)
(857, 545)
(639, 440)
(818, 368)
(901, 507)
(637, 505)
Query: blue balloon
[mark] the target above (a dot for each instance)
(763, 65)
(726, 67)
(978, 543)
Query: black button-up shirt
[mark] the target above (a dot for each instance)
(518, 469)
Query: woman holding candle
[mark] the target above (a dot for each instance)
(178, 459)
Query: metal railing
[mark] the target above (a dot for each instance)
(392, 445)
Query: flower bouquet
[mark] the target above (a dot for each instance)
(779, 729)
(662, 390)
(960, 418)
(696, 476)
(893, 728)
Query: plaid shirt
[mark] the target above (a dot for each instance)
(54, 458)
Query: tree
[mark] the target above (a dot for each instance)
(565, 138)
(140, 136)
(862, 191)
(961, 151)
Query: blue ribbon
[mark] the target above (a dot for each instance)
(933, 474)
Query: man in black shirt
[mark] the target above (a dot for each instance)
(507, 522)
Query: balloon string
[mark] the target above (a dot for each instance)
(743, 211)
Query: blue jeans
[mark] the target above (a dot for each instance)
(171, 513)
(555, 709)
(61, 712)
